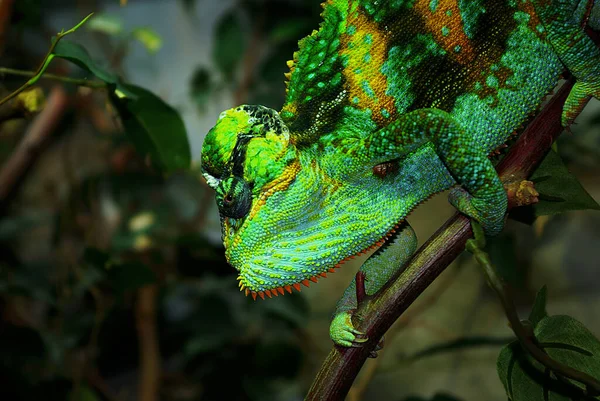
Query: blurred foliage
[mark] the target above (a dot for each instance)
(113, 26)
(69, 328)
(252, 42)
(69, 324)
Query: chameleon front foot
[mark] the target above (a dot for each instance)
(487, 212)
(577, 99)
(343, 333)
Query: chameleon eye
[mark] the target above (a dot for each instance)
(236, 199)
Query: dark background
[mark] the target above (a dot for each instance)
(113, 284)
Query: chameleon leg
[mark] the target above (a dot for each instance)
(483, 197)
(378, 269)
(563, 23)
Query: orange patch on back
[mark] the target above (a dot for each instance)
(365, 48)
(446, 25)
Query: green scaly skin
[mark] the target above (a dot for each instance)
(388, 103)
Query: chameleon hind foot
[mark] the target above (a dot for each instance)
(343, 333)
(488, 212)
(577, 99)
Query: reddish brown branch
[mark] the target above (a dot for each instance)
(342, 365)
(150, 367)
(5, 14)
(32, 143)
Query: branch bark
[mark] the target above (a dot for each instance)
(32, 143)
(376, 314)
(150, 366)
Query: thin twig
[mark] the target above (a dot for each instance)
(30, 146)
(76, 81)
(46, 62)
(145, 319)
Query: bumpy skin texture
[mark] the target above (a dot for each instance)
(387, 103)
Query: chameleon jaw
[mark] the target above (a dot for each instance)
(276, 291)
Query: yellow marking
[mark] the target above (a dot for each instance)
(367, 43)
(280, 184)
(439, 19)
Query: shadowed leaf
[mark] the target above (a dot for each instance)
(155, 128)
(229, 44)
(79, 56)
(568, 342)
(560, 191)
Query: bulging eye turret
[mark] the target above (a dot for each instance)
(234, 197)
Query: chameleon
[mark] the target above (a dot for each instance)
(387, 103)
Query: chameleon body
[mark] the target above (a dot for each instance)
(388, 102)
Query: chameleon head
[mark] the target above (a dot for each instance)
(278, 223)
(247, 157)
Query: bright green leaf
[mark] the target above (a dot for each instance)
(229, 44)
(148, 37)
(560, 191)
(538, 311)
(105, 23)
(155, 128)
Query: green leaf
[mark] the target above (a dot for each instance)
(201, 87)
(560, 191)
(564, 339)
(148, 37)
(79, 56)
(155, 128)
(105, 23)
(229, 44)
(570, 339)
(538, 311)
(129, 276)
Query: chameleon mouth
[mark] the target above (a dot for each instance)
(281, 290)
